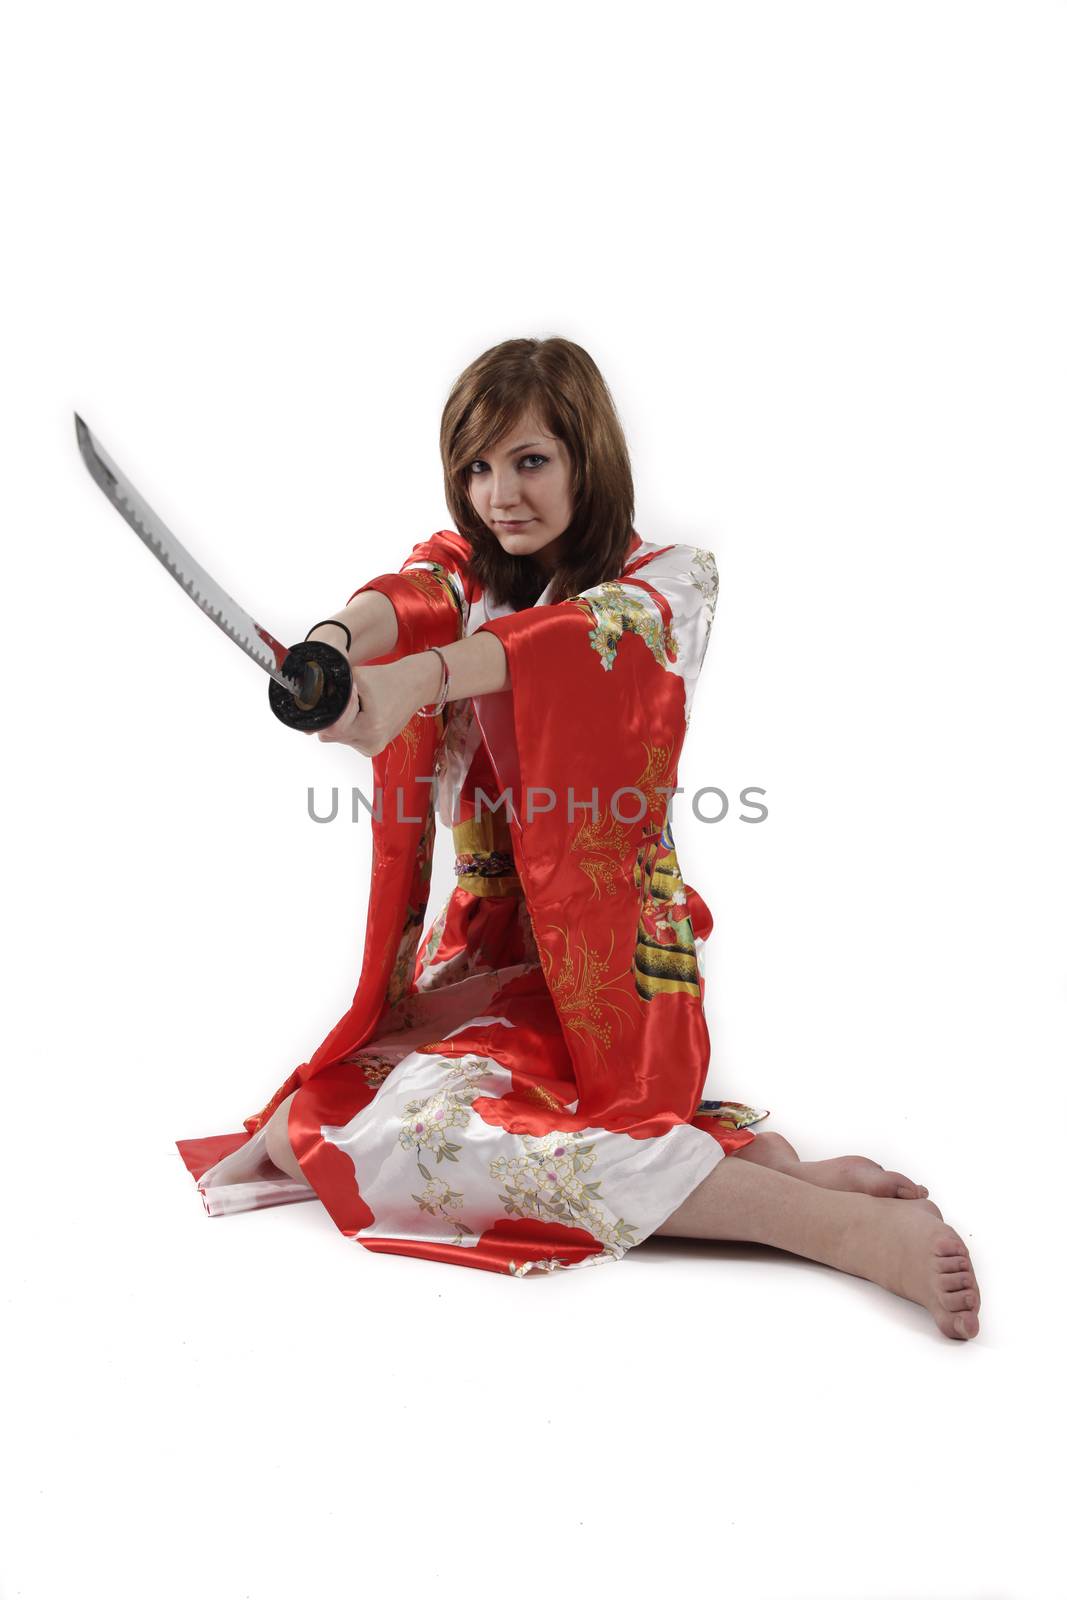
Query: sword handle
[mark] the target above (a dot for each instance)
(327, 687)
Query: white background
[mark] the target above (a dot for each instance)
(818, 251)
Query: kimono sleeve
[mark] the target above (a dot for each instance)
(601, 688)
(658, 613)
(431, 594)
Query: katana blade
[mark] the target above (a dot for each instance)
(199, 585)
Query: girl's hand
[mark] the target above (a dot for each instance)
(388, 698)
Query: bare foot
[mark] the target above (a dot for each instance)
(913, 1252)
(862, 1176)
(854, 1174)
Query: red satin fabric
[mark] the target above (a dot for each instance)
(639, 1065)
(582, 1028)
(426, 610)
(427, 614)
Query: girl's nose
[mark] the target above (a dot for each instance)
(503, 497)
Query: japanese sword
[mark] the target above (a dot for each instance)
(311, 682)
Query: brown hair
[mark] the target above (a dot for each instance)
(559, 382)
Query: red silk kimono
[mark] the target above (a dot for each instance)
(519, 1087)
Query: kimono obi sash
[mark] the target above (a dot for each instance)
(485, 864)
(481, 835)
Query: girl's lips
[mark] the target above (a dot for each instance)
(514, 524)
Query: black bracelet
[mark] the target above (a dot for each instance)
(331, 622)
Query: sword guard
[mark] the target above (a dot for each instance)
(326, 687)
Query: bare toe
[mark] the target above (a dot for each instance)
(863, 1176)
(898, 1187)
(954, 1310)
(915, 1253)
(953, 1281)
(958, 1273)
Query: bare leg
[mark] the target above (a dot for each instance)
(909, 1250)
(858, 1173)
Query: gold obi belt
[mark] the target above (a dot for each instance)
(485, 864)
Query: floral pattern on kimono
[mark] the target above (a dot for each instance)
(520, 1086)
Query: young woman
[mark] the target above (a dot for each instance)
(519, 1088)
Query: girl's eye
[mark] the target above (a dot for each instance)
(533, 456)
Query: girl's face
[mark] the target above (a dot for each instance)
(525, 479)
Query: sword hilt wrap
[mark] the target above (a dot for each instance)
(326, 687)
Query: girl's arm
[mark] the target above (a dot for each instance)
(370, 619)
(474, 666)
(389, 696)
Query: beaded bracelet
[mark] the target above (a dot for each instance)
(442, 698)
(331, 622)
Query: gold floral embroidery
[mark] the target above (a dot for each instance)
(580, 989)
(604, 843)
(540, 1096)
(431, 581)
(615, 612)
(603, 846)
(409, 735)
(407, 742)
(659, 765)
